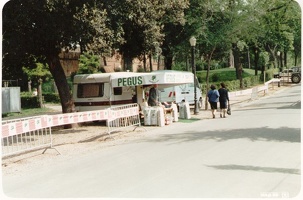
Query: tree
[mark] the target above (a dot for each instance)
(44, 27)
(279, 24)
(40, 71)
(174, 31)
(89, 64)
(142, 25)
(41, 29)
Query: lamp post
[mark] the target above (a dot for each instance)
(278, 54)
(192, 42)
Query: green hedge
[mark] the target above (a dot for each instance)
(29, 101)
(234, 85)
(51, 97)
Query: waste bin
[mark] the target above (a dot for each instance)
(184, 110)
(175, 112)
(154, 116)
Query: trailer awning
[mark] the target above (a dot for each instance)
(163, 77)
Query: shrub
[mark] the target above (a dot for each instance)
(48, 86)
(179, 66)
(200, 79)
(199, 65)
(215, 77)
(51, 97)
(140, 69)
(234, 85)
(29, 101)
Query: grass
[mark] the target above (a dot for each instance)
(188, 120)
(226, 74)
(26, 112)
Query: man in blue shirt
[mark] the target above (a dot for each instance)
(213, 98)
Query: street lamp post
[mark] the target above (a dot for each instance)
(278, 54)
(192, 42)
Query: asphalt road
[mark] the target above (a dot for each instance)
(253, 153)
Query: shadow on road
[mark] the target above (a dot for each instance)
(256, 168)
(283, 134)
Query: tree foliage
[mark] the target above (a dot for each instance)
(37, 72)
(89, 64)
(36, 31)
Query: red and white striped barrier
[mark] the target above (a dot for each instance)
(25, 134)
(45, 121)
(15, 132)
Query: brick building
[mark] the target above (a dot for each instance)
(70, 63)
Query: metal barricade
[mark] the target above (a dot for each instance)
(123, 116)
(31, 133)
(25, 134)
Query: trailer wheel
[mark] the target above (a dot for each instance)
(295, 78)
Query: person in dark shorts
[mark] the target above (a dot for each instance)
(213, 98)
(223, 99)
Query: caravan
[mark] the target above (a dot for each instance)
(95, 92)
(104, 90)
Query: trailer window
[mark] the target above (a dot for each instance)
(117, 90)
(90, 90)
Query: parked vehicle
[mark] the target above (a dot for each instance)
(94, 91)
(103, 90)
(294, 74)
(179, 93)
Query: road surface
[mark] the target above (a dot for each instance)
(253, 153)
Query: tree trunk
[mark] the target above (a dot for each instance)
(168, 62)
(144, 63)
(231, 59)
(272, 52)
(40, 92)
(150, 62)
(104, 61)
(240, 70)
(296, 58)
(264, 73)
(248, 58)
(62, 85)
(127, 63)
(281, 61)
(236, 59)
(256, 52)
(207, 77)
(207, 84)
(285, 58)
(238, 65)
(158, 61)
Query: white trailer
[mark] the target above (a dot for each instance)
(95, 91)
(103, 90)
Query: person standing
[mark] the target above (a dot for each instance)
(153, 99)
(223, 99)
(213, 98)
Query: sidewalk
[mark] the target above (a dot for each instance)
(235, 101)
